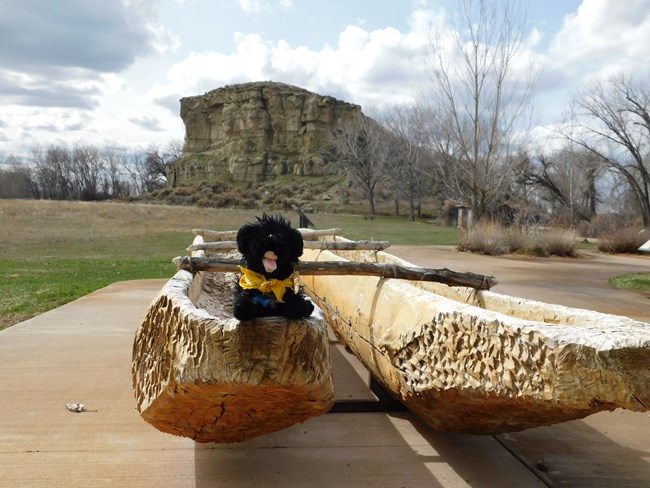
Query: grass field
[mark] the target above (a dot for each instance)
(53, 252)
(637, 281)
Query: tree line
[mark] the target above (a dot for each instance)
(86, 172)
(467, 140)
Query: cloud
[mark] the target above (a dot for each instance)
(55, 53)
(378, 67)
(603, 38)
(147, 122)
(170, 102)
(253, 6)
(259, 6)
(40, 91)
(96, 36)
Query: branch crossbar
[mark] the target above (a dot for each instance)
(229, 234)
(383, 270)
(338, 245)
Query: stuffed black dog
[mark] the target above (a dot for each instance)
(270, 248)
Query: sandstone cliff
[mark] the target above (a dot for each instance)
(257, 131)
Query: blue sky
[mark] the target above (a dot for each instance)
(111, 72)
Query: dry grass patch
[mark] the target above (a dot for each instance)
(491, 239)
(626, 240)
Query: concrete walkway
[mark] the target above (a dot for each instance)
(81, 352)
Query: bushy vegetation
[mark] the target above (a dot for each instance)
(627, 240)
(316, 194)
(494, 240)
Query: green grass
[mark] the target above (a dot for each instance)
(635, 281)
(396, 230)
(31, 287)
(54, 252)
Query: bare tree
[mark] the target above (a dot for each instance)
(87, 170)
(157, 160)
(136, 169)
(612, 122)
(16, 179)
(53, 172)
(410, 156)
(566, 181)
(114, 164)
(361, 149)
(481, 100)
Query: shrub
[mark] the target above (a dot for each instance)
(484, 238)
(491, 239)
(515, 238)
(626, 240)
(557, 242)
(203, 202)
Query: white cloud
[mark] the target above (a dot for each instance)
(259, 6)
(253, 6)
(382, 66)
(604, 38)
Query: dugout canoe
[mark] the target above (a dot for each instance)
(479, 362)
(200, 373)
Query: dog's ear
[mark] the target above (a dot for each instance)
(245, 237)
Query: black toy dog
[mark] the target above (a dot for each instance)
(270, 248)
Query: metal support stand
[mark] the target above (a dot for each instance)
(304, 220)
(384, 403)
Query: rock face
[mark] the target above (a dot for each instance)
(257, 131)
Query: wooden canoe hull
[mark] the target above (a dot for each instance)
(481, 362)
(218, 380)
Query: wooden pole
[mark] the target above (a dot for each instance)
(338, 246)
(307, 234)
(384, 270)
(215, 234)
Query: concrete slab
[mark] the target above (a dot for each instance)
(606, 450)
(81, 352)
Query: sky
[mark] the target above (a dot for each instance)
(111, 72)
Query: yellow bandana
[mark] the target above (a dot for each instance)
(250, 280)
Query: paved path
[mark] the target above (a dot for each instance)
(81, 352)
(609, 449)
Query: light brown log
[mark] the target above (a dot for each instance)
(481, 362)
(215, 234)
(308, 234)
(199, 373)
(383, 270)
(339, 245)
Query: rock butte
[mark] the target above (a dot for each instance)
(257, 131)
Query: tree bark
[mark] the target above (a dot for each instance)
(383, 270)
(229, 234)
(338, 246)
